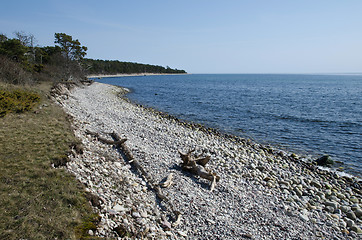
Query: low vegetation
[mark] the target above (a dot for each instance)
(17, 101)
(38, 201)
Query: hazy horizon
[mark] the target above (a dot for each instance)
(203, 36)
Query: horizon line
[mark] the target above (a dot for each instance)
(311, 73)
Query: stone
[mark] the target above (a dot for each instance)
(304, 217)
(117, 164)
(166, 224)
(267, 179)
(356, 229)
(316, 184)
(358, 212)
(289, 213)
(338, 211)
(335, 216)
(144, 214)
(112, 212)
(333, 204)
(125, 221)
(136, 215)
(350, 214)
(183, 234)
(350, 223)
(341, 196)
(285, 183)
(247, 236)
(354, 206)
(324, 161)
(119, 208)
(320, 194)
(328, 193)
(316, 198)
(260, 168)
(252, 166)
(354, 200)
(333, 198)
(345, 231)
(329, 209)
(342, 223)
(298, 192)
(345, 208)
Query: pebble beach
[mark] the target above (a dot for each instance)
(263, 192)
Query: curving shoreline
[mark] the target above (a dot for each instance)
(262, 194)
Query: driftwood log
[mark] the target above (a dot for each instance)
(119, 143)
(197, 166)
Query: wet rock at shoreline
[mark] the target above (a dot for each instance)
(324, 161)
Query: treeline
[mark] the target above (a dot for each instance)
(22, 61)
(114, 67)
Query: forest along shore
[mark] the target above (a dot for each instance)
(263, 193)
(129, 75)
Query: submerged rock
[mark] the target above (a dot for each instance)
(324, 161)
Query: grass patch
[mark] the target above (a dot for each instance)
(36, 200)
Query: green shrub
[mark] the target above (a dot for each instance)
(17, 101)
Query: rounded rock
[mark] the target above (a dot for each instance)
(358, 212)
(332, 204)
(349, 222)
(356, 229)
(329, 209)
(354, 200)
(345, 208)
(350, 214)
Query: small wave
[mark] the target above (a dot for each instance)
(291, 118)
(127, 90)
(312, 120)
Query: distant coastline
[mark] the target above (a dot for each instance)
(130, 75)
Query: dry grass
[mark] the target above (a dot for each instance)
(36, 200)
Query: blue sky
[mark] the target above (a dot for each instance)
(203, 36)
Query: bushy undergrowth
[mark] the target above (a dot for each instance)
(17, 101)
(13, 72)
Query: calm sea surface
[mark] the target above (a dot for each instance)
(310, 114)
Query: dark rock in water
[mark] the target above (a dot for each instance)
(324, 161)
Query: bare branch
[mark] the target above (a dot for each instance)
(196, 165)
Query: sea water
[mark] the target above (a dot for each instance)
(310, 114)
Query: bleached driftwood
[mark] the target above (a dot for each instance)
(120, 144)
(122, 147)
(178, 219)
(167, 183)
(104, 140)
(196, 165)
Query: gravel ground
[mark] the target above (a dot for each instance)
(263, 192)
